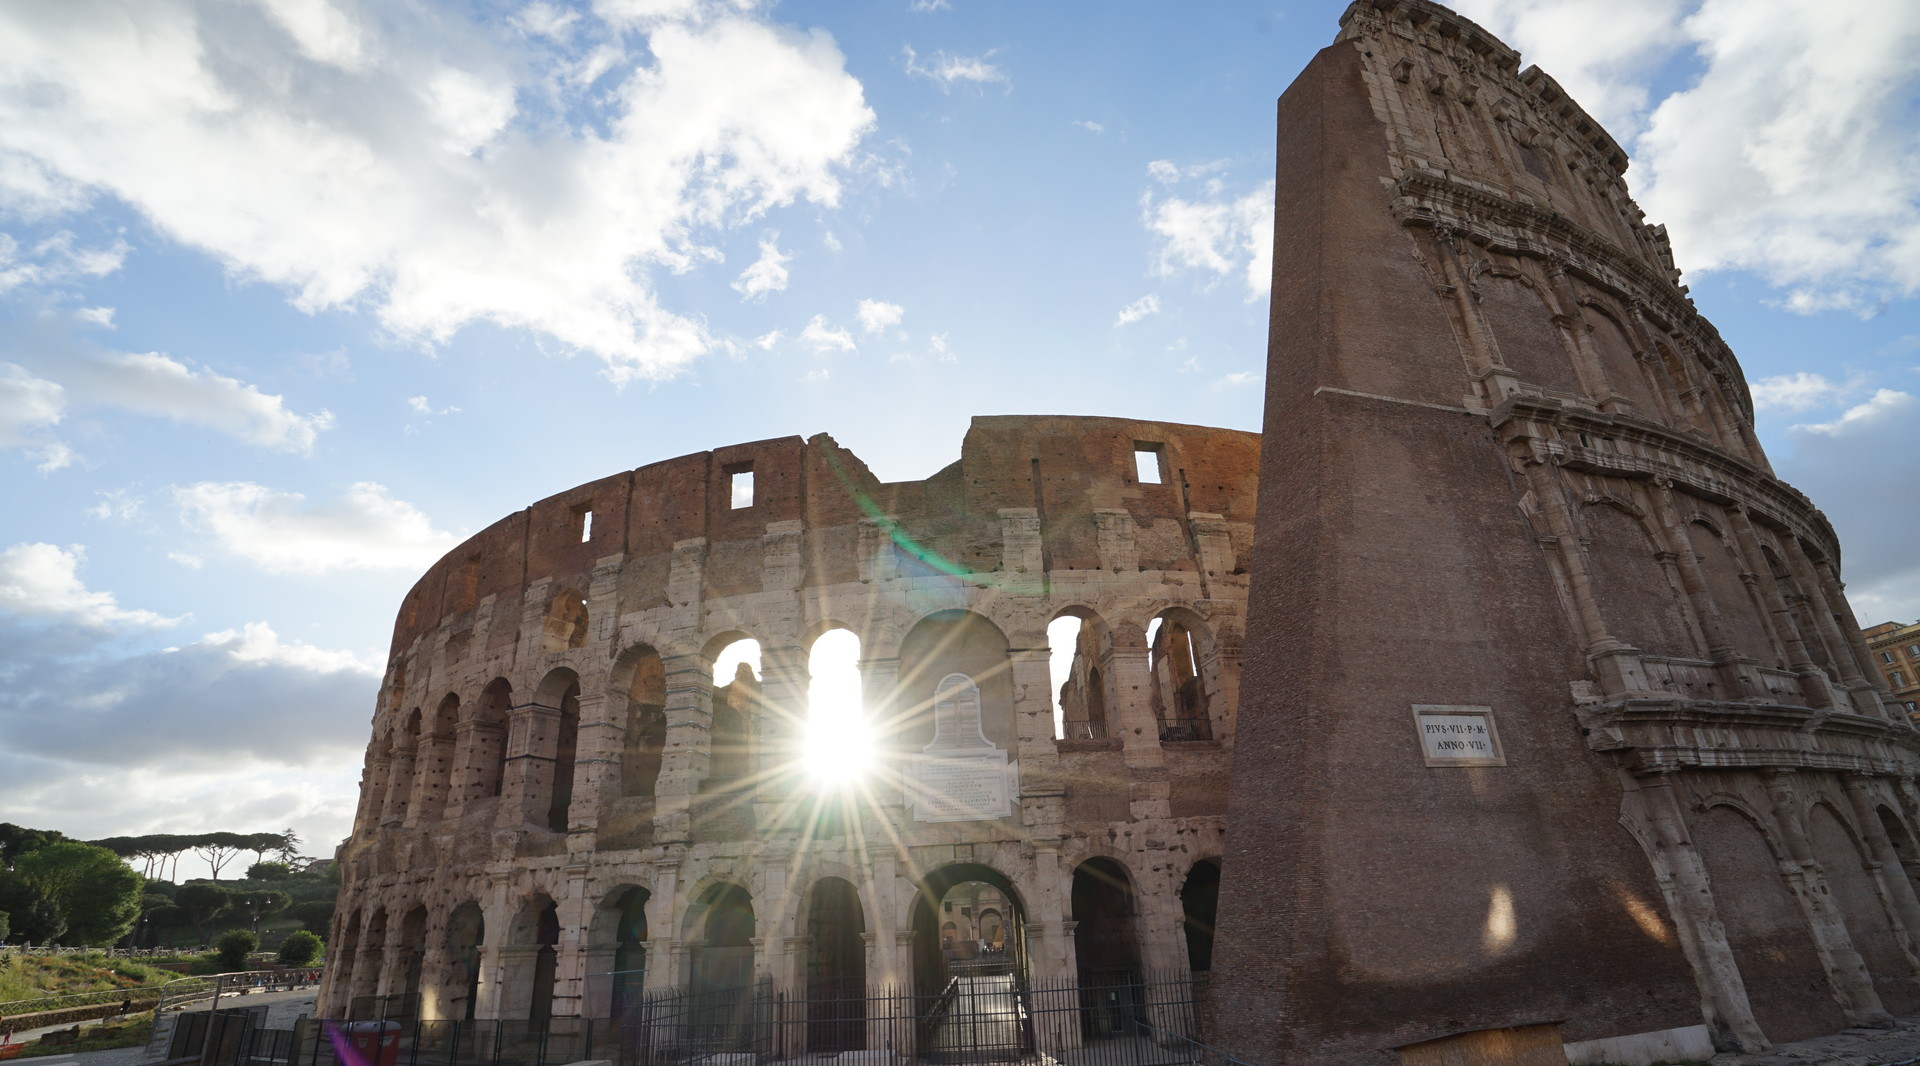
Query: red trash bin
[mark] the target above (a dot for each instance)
(375, 1043)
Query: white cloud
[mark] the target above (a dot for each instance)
(27, 404)
(878, 315)
(187, 559)
(1090, 126)
(43, 581)
(153, 384)
(99, 316)
(542, 19)
(1241, 378)
(1886, 407)
(767, 274)
(1138, 309)
(422, 407)
(1216, 233)
(366, 529)
(375, 161)
(926, 6)
(55, 260)
(938, 342)
(766, 341)
(948, 71)
(1799, 391)
(118, 505)
(821, 336)
(1790, 154)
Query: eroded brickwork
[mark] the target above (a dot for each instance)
(1508, 465)
(558, 790)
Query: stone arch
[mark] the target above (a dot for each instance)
(553, 737)
(722, 924)
(1766, 927)
(1105, 912)
(1199, 907)
(1179, 650)
(566, 622)
(412, 946)
(343, 958)
(836, 966)
(641, 674)
(485, 744)
(1844, 858)
(1722, 568)
(1626, 375)
(933, 966)
(530, 963)
(945, 643)
(1799, 612)
(617, 947)
(433, 761)
(466, 936)
(1081, 694)
(1521, 318)
(1639, 599)
(1902, 841)
(368, 966)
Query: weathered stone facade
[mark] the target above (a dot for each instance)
(1510, 472)
(557, 790)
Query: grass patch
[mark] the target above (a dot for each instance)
(131, 1033)
(34, 976)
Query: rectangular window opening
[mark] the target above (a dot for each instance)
(740, 483)
(1146, 464)
(586, 525)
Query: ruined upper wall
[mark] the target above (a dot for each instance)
(1067, 470)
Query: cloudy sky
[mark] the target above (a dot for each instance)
(296, 294)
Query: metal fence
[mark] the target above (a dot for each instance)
(976, 1017)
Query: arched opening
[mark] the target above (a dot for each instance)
(367, 966)
(948, 941)
(1857, 894)
(466, 939)
(839, 744)
(1078, 647)
(566, 744)
(646, 735)
(342, 957)
(405, 1002)
(434, 763)
(1179, 696)
(734, 704)
(401, 768)
(723, 959)
(1902, 842)
(1739, 614)
(486, 763)
(628, 977)
(566, 623)
(1199, 905)
(1106, 948)
(1804, 621)
(532, 969)
(836, 968)
(1766, 929)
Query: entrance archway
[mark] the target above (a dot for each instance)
(836, 968)
(960, 894)
(466, 935)
(724, 958)
(1106, 949)
(629, 966)
(1199, 903)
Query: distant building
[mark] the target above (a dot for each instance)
(1895, 650)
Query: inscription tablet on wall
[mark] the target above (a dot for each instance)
(961, 788)
(1458, 736)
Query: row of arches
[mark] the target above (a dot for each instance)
(1677, 578)
(524, 752)
(964, 918)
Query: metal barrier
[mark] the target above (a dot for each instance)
(1105, 1020)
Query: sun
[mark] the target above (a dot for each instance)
(837, 751)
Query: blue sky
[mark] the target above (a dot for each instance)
(295, 294)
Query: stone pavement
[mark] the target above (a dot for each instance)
(1849, 1047)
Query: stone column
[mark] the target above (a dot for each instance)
(1031, 671)
(532, 731)
(433, 771)
(575, 912)
(685, 759)
(598, 743)
(497, 916)
(1719, 646)
(1650, 807)
(1130, 709)
(664, 959)
(1890, 874)
(1846, 971)
(1813, 681)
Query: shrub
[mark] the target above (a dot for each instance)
(233, 947)
(269, 871)
(299, 948)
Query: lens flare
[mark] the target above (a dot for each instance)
(838, 747)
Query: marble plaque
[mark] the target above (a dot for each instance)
(1458, 736)
(960, 788)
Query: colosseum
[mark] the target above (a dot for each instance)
(613, 748)
(1556, 740)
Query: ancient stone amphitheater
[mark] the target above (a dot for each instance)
(563, 804)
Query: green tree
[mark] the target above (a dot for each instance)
(98, 895)
(202, 904)
(269, 871)
(299, 948)
(17, 840)
(232, 949)
(314, 915)
(256, 904)
(219, 848)
(34, 916)
(6, 925)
